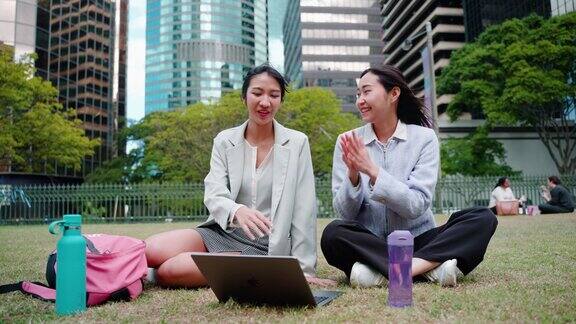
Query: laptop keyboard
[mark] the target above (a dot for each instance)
(319, 299)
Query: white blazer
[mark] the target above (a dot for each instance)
(293, 210)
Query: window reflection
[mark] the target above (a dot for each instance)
(335, 50)
(335, 66)
(342, 83)
(321, 17)
(335, 33)
(339, 3)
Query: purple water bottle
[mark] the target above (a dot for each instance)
(400, 249)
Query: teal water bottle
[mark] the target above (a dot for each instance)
(70, 266)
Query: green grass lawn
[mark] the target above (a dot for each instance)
(528, 275)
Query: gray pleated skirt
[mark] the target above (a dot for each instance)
(217, 241)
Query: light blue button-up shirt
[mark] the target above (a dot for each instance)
(402, 194)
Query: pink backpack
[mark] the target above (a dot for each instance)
(115, 269)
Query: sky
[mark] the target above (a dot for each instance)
(136, 59)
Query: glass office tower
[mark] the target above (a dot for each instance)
(560, 7)
(81, 48)
(276, 15)
(198, 49)
(479, 14)
(292, 39)
(338, 40)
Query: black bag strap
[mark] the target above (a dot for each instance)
(120, 295)
(34, 289)
(10, 287)
(90, 245)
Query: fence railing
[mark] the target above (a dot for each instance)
(178, 202)
(456, 192)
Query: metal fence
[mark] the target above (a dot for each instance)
(117, 203)
(457, 192)
(179, 202)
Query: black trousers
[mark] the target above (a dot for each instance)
(493, 209)
(553, 209)
(464, 237)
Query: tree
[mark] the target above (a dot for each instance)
(118, 170)
(316, 112)
(474, 155)
(34, 128)
(178, 144)
(522, 72)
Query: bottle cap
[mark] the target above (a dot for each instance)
(400, 238)
(72, 220)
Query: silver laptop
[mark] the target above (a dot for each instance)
(260, 279)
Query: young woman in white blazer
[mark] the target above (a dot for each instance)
(260, 193)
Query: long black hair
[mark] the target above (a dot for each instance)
(265, 68)
(555, 180)
(500, 182)
(411, 109)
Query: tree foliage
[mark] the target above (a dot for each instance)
(522, 72)
(474, 155)
(317, 113)
(177, 144)
(34, 128)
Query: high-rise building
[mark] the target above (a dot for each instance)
(81, 48)
(276, 16)
(292, 40)
(403, 19)
(479, 14)
(197, 50)
(560, 7)
(338, 40)
(454, 22)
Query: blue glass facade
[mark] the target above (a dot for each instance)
(276, 16)
(479, 14)
(198, 49)
(293, 44)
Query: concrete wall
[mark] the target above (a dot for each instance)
(524, 149)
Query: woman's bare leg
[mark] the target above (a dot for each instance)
(169, 252)
(180, 271)
(420, 266)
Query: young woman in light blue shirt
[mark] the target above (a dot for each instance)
(383, 179)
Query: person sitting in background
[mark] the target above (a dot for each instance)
(558, 199)
(502, 192)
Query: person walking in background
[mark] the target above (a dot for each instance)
(383, 179)
(260, 193)
(503, 192)
(558, 198)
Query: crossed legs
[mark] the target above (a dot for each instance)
(169, 252)
(464, 237)
(345, 243)
(546, 208)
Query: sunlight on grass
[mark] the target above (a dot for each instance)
(529, 274)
